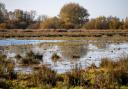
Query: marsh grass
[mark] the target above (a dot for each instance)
(7, 68)
(30, 58)
(46, 76)
(84, 33)
(6, 72)
(109, 75)
(118, 69)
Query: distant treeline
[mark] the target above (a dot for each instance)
(71, 16)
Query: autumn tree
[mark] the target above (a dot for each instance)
(126, 23)
(114, 22)
(100, 22)
(90, 24)
(51, 23)
(73, 15)
(21, 19)
(103, 22)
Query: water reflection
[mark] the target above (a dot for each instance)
(70, 53)
(101, 45)
(74, 52)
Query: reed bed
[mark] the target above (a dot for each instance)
(109, 75)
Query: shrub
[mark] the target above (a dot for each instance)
(44, 76)
(119, 70)
(52, 23)
(4, 84)
(31, 58)
(107, 63)
(29, 61)
(7, 68)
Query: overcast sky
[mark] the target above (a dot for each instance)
(52, 7)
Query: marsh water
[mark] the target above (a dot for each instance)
(72, 53)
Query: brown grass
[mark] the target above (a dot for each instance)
(58, 33)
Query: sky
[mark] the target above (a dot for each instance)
(52, 7)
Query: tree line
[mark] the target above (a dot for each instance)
(110, 22)
(71, 16)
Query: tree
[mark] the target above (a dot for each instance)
(126, 23)
(51, 23)
(3, 13)
(103, 22)
(90, 24)
(100, 22)
(114, 22)
(42, 18)
(20, 15)
(73, 14)
(21, 19)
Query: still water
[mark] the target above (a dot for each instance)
(77, 52)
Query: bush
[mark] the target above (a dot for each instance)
(52, 23)
(7, 68)
(44, 76)
(119, 70)
(31, 58)
(107, 63)
(4, 84)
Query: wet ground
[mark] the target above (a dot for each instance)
(77, 52)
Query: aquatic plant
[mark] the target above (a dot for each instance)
(55, 57)
(31, 58)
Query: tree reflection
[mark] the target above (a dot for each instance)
(74, 51)
(101, 45)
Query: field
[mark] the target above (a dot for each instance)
(20, 33)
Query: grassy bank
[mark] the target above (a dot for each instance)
(61, 33)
